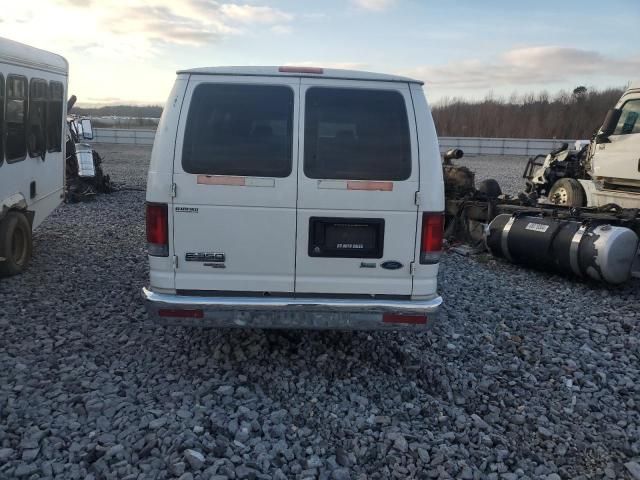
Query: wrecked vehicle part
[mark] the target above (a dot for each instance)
(83, 170)
(542, 172)
(479, 217)
(474, 216)
(84, 156)
(588, 248)
(80, 185)
(465, 221)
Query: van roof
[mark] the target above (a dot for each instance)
(326, 73)
(30, 57)
(635, 85)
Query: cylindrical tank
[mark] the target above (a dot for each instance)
(585, 248)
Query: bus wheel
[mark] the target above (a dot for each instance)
(568, 192)
(15, 244)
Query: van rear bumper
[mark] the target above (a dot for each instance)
(294, 313)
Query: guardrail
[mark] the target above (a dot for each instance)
(124, 136)
(470, 145)
(502, 146)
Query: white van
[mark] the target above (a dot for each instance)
(33, 88)
(294, 198)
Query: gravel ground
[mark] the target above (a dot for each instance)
(530, 375)
(506, 170)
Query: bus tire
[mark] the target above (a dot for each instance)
(16, 244)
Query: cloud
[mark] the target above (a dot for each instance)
(161, 23)
(253, 14)
(148, 25)
(374, 5)
(533, 65)
(76, 3)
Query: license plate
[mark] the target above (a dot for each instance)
(346, 237)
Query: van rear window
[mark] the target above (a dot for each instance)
(356, 134)
(237, 129)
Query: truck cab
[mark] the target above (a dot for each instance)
(615, 155)
(603, 172)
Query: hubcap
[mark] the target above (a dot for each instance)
(18, 246)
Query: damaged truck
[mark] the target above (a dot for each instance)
(579, 213)
(84, 177)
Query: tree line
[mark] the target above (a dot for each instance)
(565, 115)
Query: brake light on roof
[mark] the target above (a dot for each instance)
(315, 70)
(158, 229)
(432, 235)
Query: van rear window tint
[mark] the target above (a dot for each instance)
(239, 130)
(356, 134)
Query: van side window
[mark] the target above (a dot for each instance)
(37, 136)
(628, 122)
(1, 119)
(54, 117)
(356, 134)
(239, 130)
(15, 117)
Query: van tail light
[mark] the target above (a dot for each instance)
(432, 234)
(158, 229)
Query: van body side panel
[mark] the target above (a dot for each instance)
(160, 178)
(390, 201)
(431, 186)
(234, 231)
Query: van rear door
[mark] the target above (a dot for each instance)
(235, 174)
(359, 174)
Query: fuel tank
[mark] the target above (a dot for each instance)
(593, 249)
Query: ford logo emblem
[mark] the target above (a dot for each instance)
(391, 265)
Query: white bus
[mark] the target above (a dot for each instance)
(33, 88)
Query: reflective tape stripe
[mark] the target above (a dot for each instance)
(575, 248)
(505, 237)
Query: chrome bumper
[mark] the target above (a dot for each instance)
(294, 313)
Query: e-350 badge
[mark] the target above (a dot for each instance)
(204, 257)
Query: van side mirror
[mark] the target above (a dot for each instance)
(609, 125)
(87, 129)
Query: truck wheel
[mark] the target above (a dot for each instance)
(15, 244)
(567, 191)
(490, 188)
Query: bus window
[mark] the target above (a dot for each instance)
(15, 116)
(54, 117)
(37, 136)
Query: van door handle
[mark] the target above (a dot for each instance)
(639, 164)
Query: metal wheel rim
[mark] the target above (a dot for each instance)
(561, 196)
(18, 246)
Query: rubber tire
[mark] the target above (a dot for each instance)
(13, 265)
(574, 193)
(490, 188)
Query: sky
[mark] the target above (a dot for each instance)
(127, 51)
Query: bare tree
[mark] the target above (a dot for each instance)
(568, 115)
